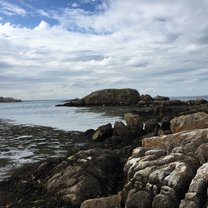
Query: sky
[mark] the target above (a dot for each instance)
(54, 49)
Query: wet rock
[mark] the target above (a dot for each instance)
(105, 202)
(86, 175)
(189, 122)
(103, 132)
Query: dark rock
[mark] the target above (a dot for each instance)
(87, 174)
(161, 98)
(165, 127)
(151, 126)
(139, 199)
(117, 142)
(89, 133)
(104, 202)
(121, 130)
(8, 100)
(102, 133)
(107, 97)
(112, 97)
(146, 98)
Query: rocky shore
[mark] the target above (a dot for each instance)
(9, 100)
(158, 158)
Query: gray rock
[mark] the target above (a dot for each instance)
(104, 202)
(85, 175)
(189, 122)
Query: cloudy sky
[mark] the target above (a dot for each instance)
(68, 48)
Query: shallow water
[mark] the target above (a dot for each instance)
(46, 114)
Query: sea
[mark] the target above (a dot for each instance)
(44, 113)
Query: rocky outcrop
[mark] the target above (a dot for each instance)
(189, 122)
(107, 97)
(86, 175)
(193, 143)
(157, 179)
(8, 100)
(170, 170)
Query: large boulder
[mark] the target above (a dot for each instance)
(112, 97)
(189, 122)
(88, 174)
(103, 132)
(122, 136)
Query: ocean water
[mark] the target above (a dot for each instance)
(45, 113)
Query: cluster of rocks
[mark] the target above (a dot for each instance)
(139, 164)
(8, 100)
(114, 97)
(128, 97)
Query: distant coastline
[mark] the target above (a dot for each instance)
(9, 100)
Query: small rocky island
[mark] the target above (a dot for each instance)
(8, 100)
(157, 158)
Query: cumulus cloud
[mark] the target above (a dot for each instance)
(157, 47)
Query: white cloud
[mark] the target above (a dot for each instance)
(157, 47)
(11, 9)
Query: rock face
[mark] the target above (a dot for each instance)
(107, 202)
(107, 97)
(189, 122)
(134, 123)
(192, 143)
(87, 174)
(8, 100)
(170, 170)
(112, 97)
(102, 133)
(155, 178)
